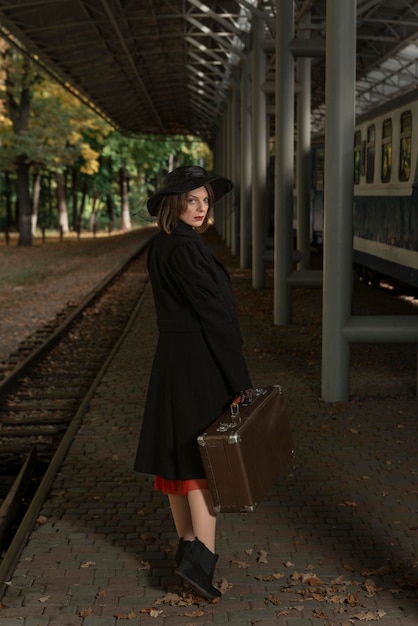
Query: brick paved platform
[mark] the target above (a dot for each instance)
(335, 542)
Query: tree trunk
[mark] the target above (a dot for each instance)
(25, 208)
(10, 220)
(35, 202)
(82, 205)
(50, 205)
(62, 203)
(110, 211)
(93, 216)
(74, 184)
(123, 185)
(19, 109)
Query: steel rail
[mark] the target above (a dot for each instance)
(27, 524)
(39, 351)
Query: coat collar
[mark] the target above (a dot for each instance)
(181, 229)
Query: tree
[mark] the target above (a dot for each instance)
(49, 135)
(49, 130)
(20, 76)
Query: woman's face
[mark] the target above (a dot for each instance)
(197, 207)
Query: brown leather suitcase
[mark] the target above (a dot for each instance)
(246, 449)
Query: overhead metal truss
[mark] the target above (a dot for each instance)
(166, 66)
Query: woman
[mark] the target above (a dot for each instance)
(198, 364)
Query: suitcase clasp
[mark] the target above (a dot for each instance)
(225, 426)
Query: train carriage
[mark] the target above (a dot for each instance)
(385, 210)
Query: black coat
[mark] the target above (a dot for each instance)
(198, 363)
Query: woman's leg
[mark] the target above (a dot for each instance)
(193, 516)
(202, 516)
(180, 511)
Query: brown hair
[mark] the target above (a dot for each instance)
(172, 205)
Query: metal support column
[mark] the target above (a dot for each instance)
(259, 151)
(234, 170)
(303, 154)
(245, 166)
(219, 166)
(226, 202)
(338, 200)
(283, 172)
(223, 162)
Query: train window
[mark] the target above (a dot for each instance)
(370, 153)
(357, 157)
(405, 146)
(386, 151)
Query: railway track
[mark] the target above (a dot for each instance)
(45, 393)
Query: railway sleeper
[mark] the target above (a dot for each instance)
(31, 420)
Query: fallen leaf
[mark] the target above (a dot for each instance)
(174, 599)
(317, 596)
(369, 615)
(311, 579)
(240, 564)
(370, 587)
(87, 564)
(274, 600)
(271, 577)
(262, 556)
(197, 613)
(340, 580)
(44, 599)
(86, 612)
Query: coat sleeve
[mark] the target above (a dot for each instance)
(208, 291)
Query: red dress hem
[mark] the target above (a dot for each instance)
(179, 487)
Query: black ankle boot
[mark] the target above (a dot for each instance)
(181, 549)
(197, 567)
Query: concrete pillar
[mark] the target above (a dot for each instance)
(283, 173)
(303, 154)
(245, 166)
(259, 151)
(338, 197)
(235, 170)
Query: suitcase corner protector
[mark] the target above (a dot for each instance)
(201, 440)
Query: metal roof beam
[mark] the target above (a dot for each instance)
(228, 25)
(131, 63)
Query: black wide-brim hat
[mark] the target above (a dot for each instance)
(187, 178)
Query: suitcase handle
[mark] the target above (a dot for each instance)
(244, 398)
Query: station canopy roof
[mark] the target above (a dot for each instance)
(166, 66)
